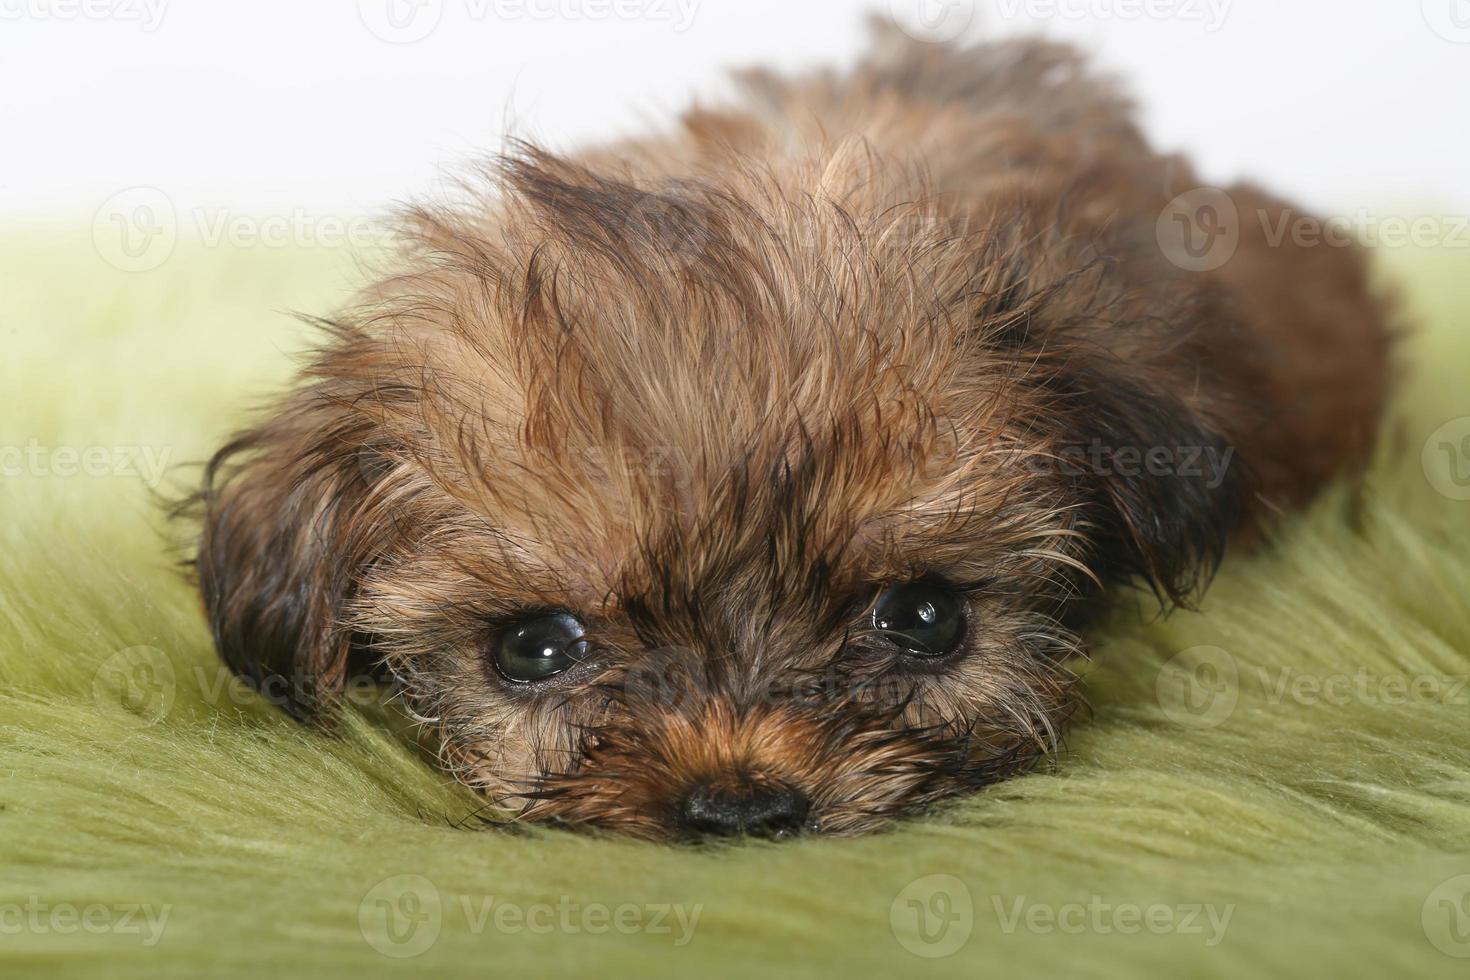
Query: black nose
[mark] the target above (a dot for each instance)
(758, 811)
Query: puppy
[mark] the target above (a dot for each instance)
(759, 476)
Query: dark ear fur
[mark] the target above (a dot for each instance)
(284, 539)
(1163, 488)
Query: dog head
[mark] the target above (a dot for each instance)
(754, 505)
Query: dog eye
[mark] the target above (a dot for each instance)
(535, 649)
(926, 620)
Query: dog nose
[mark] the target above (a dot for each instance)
(748, 809)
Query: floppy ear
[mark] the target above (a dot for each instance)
(1112, 360)
(1163, 488)
(285, 538)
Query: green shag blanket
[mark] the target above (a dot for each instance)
(1278, 784)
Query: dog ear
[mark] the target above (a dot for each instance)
(1161, 486)
(1158, 482)
(285, 538)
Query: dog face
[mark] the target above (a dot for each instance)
(706, 507)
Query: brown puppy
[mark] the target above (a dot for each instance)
(757, 477)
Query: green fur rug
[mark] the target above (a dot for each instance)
(1279, 784)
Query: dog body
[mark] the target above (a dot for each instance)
(759, 477)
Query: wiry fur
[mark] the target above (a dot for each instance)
(713, 390)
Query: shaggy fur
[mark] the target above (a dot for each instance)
(1326, 826)
(712, 391)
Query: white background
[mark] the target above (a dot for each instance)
(273, 106)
